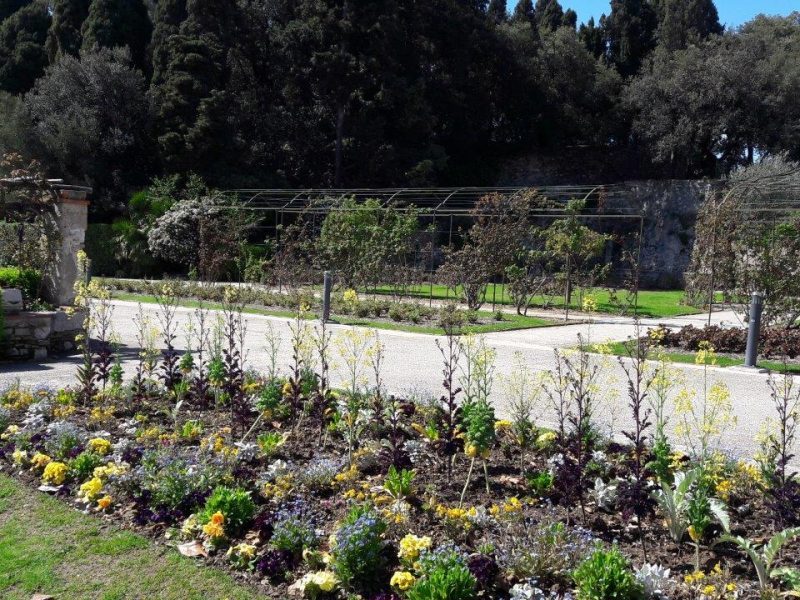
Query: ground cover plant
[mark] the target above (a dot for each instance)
(307, 491)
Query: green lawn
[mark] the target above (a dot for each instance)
(659, 303)
(510, 321)
(48, 547)
(619, 349)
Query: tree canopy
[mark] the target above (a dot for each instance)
(399, 93)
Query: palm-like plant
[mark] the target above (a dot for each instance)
(763, 557)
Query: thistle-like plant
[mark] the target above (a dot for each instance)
(447, 434)
(764, 557)
(322, 396)
(167, 308)
(523, 391)
(300, 335)
(478, 423)
(233, 360)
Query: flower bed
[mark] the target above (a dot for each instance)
(309, 491)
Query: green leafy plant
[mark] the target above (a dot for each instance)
(606, 575)
(764, 557)
(539, 483)
(398, 483)
(444, 576)
(358, 556)
(270, 442)
(478, 423)
(85, 463)
(235, 503)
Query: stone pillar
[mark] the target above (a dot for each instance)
(71, 214)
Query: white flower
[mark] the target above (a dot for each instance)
(605, 494)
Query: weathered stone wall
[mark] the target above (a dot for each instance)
(71, 213)
(35, 335)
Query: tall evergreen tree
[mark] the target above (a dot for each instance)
(118, 23)
(593, 38)
(9, 7)
(22, 54)
(570, 18)
(549, 14)
(684, 22)
(524, 11)
(64, 36)
(630, 34)
(497, 11)
(169, 15)
(192, 99)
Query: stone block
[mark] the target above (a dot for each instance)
(12, 300)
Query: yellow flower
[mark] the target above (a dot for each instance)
(99, 446)
(91, 488)
(723, 489)
(545, 439)
(10, 431)
(215, 527)
(104, 502)
(589, 304)
(20, 457)
(326, 581)
(402, 580)
(512, 505)
(708, 590)
(40, 460)
(411, 546)
(502, 425)
(55, 473)
(693, 533)
(244, 550)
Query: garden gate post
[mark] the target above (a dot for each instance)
(71, 214)
(753, 329)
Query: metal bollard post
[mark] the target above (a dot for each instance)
(326, 297)
(753, 329)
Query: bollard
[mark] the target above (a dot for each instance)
(753, 329)
(326, 297)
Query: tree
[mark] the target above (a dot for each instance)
(684, 22)
(361, 241)
(169, 15)
(497, 11)
(593, 37)
(524, 11)
(64, 36)
(92, 120)
(22, 54)
(576, 247)
(191, 95)
(9, 7)
(630, 34)
(549, 14)
(115, 23)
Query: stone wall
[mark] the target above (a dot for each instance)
(37, 335)
(71, 212)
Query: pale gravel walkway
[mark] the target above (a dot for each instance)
(413, 364)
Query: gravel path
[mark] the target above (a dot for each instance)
(413, 364)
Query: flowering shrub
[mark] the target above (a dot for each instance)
(55, 473)
(293, 531)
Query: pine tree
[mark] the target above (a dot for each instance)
(22, 54)
(9, 7)
(684, 22)
(630, 34)
(118, 23)
(570, 18)
(497, 11)
(64, 36)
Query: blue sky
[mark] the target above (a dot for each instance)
(731, 12)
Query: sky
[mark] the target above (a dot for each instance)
(731, 12)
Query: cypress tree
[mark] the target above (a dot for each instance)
(592, 38)
(684, 22)
(524, 12)
(22, 53)
(496, 11)
(549, 14)
(118, 23)
(191, 94)
(630, 34)
(167, 20)
(64, 36)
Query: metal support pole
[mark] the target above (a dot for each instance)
(753, 329)
(326, 297)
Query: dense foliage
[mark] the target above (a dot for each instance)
(342, 93)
